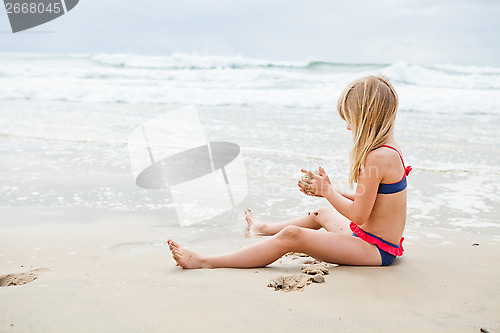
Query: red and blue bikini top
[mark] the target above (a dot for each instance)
(397, 186)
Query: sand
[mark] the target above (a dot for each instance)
(297, 282)
(18, 279)
(112, 272)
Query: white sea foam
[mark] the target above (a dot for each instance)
(177, 61)
(211, 80)
(473, 78)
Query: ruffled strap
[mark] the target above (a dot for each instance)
(408, 169)
(379, 242)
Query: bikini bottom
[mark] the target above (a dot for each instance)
(387, 258)
(388, 251)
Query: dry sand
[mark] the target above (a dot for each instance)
(113, 273)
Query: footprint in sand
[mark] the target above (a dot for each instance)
(17, 279)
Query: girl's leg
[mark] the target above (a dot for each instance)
(324, 217)
(325, 246)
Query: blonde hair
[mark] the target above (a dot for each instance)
(369, 106)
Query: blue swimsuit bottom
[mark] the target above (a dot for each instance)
(387, 258)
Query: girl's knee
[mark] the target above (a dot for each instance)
(290, 231)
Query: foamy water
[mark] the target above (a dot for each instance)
(66, 120)
(220, 81)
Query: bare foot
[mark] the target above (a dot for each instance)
(186, 258)
(254, 225)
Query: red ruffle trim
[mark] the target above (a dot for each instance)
(395, 251)
(408, 169)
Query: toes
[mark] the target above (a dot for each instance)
(175, 254)
(248, 216)
(174, 247)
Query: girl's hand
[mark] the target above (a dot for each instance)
(305, 183)
(315, 184)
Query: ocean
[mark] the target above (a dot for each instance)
(66, 119)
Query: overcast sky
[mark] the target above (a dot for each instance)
(457, 32)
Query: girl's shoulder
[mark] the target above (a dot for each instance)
(380, 156)
(386, 151)
(386, 157)
(387, 161)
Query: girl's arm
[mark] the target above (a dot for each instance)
(359, 209)
(347, 195)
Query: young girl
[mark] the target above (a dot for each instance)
(363, 228)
